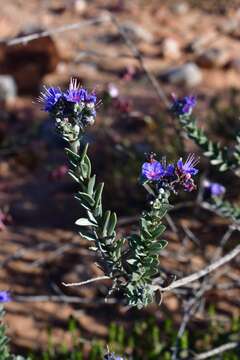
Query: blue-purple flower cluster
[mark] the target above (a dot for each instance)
(75, 104)
(183, 106)
(214, 189)
(5, 296)
(171, 176)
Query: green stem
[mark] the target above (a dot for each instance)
(74, 146)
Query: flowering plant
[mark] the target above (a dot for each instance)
(131, 262)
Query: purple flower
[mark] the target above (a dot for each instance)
(187, 168)
(185, 171)
(215, 189)
(169, 170)
(76, 94)
(111, 356)
(49, 97)
(91, 98)
(183, 106)
(152, 170)
(5, 296)
(188, 184)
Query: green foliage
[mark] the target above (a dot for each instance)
(4, 348)
(97, 226)
(217, 154)
(145, 340)
(131, 262)
(226, 209)
(149, 340)
(144, 250)
(236, 152)
(220, 157)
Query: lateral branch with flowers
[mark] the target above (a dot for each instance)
(132, 262)
(219, 156)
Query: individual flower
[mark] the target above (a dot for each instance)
(2, 221)
(5, 219)
(215, 189)
(5, 296)
(49, 97)
(187, 168)
(188, 185)
(91, 98)
(59, 172)
(152, 170)
(183, 106)
(77, 94)
(168, 169)
(128, 73)
(123, 105)
(185, 171)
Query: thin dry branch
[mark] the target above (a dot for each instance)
(63, 299)
(216, 351)
(27, 38)
(104, 277)
(137, 55)
(181, 282)
(199, 274)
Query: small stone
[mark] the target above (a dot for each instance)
(188, 74)
(137, 32)
(235, 64)
(80, 6)
(8, 88)
(113, 90)
(214, 57)
(170, 49)
(229, 26)
(180, 8)
(198, 43)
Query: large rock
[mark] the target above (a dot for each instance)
(188, 74)
(8, 88)
(29, 62)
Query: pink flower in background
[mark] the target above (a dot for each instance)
(129, 73)
(59, 172)
(5, 219)
(123, 105)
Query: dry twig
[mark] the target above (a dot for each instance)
(199, 274)
(216, 351)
